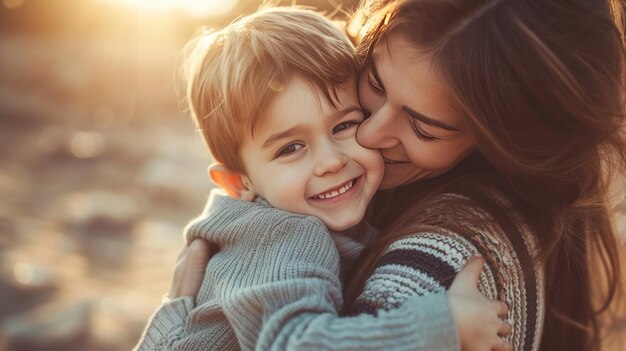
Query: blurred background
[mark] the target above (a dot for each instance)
(100, 167)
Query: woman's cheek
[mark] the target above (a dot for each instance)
(432, 156)
(441, 155)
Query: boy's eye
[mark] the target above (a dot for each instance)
(289, 149)
(345, 125)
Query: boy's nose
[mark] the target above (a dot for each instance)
(330, 160)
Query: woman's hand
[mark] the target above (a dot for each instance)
(190, 267)
(477, 318)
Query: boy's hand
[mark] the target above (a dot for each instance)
(477, 318)
(190, 267)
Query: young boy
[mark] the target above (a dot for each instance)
(274, 95)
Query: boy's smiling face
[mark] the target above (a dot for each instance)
(304, 156)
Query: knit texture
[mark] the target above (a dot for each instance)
(275, 285)
(427, 261)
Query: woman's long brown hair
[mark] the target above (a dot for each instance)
(541, 84)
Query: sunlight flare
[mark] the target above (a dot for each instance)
(196, 8)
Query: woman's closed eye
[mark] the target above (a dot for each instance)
(289, 149)
(373, 84)
(366, 114)
(419, 132)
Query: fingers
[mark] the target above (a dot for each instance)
(198, 251)
(501, 308)
(190, 268)
(468, 275)
(182, 254)
(505, 329)
(502, 345)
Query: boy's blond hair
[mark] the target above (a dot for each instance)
(232, 75)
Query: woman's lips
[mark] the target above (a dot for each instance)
(390, 161)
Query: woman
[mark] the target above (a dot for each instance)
(500, 125)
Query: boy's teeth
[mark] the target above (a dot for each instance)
(334, 193)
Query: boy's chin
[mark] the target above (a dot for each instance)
(343, 226)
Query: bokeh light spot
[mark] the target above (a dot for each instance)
(24, 273)
(87, 144)
(107, 305)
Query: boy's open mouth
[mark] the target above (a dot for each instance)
(331, 193)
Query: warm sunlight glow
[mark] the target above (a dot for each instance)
(196, 8)
(12, 4)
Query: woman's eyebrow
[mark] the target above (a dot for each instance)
(431, 121)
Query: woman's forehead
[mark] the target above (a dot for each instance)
(411, 79)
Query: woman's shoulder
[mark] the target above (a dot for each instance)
(471, 213)
(456, 226)
(459, 224)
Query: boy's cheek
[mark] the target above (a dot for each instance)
(371, 159)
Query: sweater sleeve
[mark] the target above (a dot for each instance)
(420, 324)
(299, 310)
(427, 262)
(166, 325)
(417, 265)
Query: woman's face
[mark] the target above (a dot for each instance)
(413, 122)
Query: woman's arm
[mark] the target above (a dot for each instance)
(426, 263)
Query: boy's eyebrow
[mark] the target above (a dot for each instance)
(414, 114)
(280, 135)
(294, 130)
(340, 113)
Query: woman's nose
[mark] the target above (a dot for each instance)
(330, 159)
(377, 131)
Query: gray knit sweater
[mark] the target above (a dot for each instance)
(275, 285)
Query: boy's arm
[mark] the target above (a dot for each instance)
(423, 323)
(298, 307)
(301, 313)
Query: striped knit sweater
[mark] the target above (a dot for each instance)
(427, 261)
(274, 285)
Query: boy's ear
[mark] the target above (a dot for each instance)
(235, 184)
